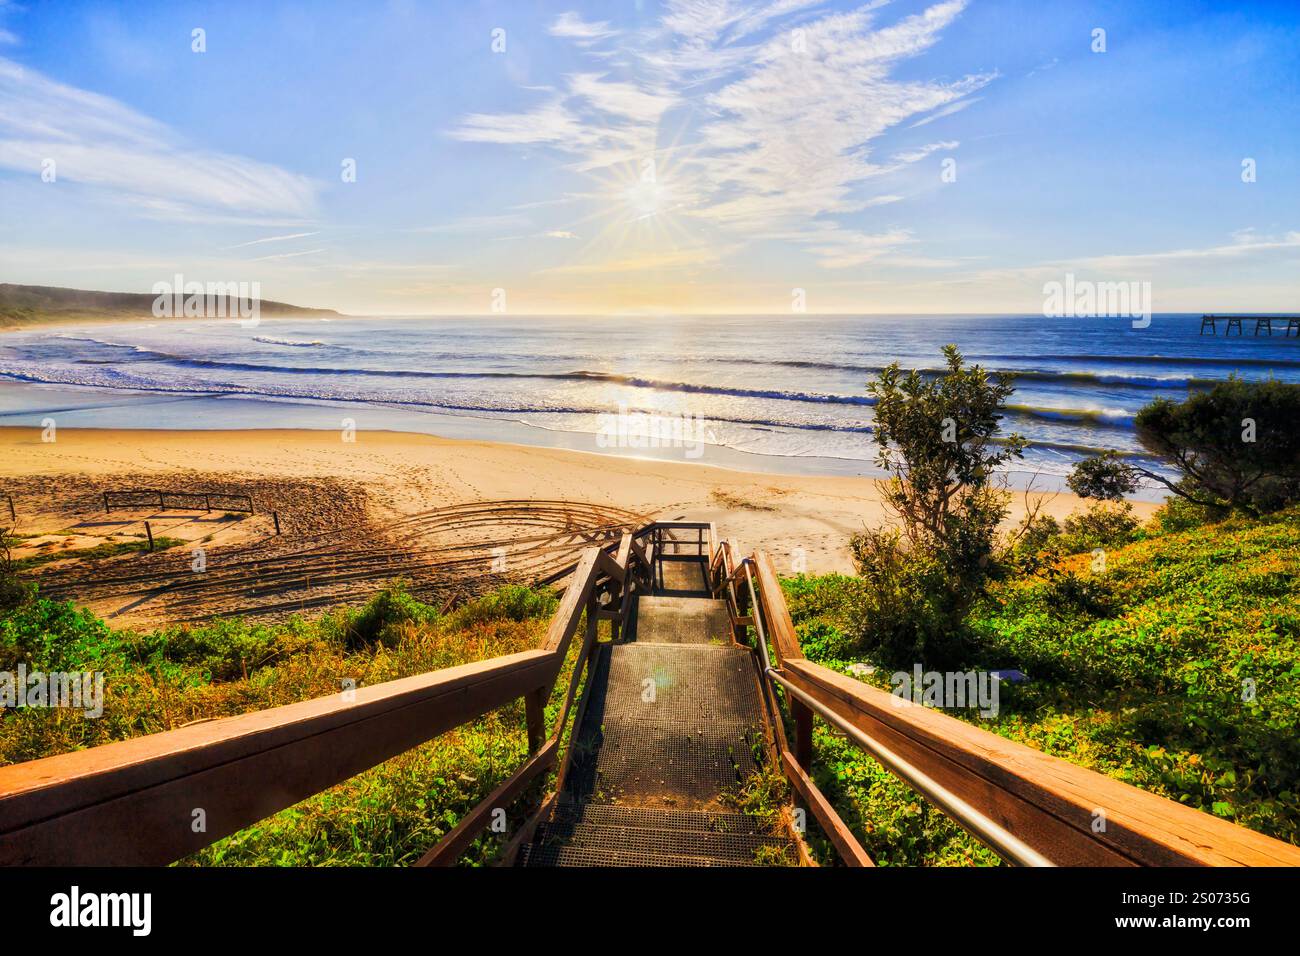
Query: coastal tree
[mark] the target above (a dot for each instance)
(938, 439)
(1235, 446)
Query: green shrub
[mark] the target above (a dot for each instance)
(911, 608)
(513, 602)
(1235, 447)
(1101, 525)
(56, 636)
(1179, 514)
(380, 620)
(938, 438)
(822, 641)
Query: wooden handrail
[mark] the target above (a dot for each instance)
(580, 590)
(780, 624)
(1070, 814)
(141, 801)
(1067, 813)
(154, 799)
(841, 837)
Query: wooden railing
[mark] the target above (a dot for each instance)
(154, 799)
(1032, 808)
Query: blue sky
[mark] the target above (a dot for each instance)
(688, 156)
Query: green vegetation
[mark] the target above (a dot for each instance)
(165, 679)
(1235, 446)
(109, 549)
(938, 441)
(1174, 667)
(1166, 655)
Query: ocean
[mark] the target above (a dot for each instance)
(769, 393)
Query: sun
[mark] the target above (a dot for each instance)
(646, 198)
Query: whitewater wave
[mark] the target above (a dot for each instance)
(1227, 361)
(116, 379)
(291, 343)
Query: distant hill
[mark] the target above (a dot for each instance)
(38, 304)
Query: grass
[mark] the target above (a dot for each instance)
(161, 680)
(107, 550)
(1176, 669)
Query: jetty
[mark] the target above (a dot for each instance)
(1263, 323)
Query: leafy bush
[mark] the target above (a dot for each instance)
(381, 619)
(13, 592)
(822, 641)
(910, 609)
(937, 438)
(514, 602)
(1179, 514)
(1099, 526)
(56, 636)
(1236, 446)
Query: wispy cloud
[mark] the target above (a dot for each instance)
(582, 32)
(920, 152)
(258, 242)
(789, 119)
(1245, 243)
(103, 144)
(288, 255)
(948, 110)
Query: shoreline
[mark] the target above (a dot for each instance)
(214, 412)
(804, 520)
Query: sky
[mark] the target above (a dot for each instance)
(643, 157)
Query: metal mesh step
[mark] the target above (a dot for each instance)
(678, 620)
(607, 814)
(668, 722)
(533, 854)
(687, 687)
(682, 576)
(652, 841)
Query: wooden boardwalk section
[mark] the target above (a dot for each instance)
(695, 681)
(672, 725)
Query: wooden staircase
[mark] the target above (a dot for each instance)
(673, 723)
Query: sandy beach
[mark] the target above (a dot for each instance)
(795, 517)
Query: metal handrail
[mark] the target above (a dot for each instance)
(994, 835)
(1003, 842)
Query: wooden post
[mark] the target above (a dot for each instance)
(207, 503)
(615, 603)
(13, 515)
(275, 515)
(535, 716)
(149, 531)
(739, 634)
(106, 509)
(803, 724)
